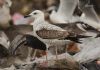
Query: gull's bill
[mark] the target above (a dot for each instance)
(26, 16)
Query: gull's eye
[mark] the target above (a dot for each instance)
(35, 13)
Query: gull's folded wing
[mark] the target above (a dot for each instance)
(51, 34)
(56, 34)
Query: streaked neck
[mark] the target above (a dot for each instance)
(38, 21)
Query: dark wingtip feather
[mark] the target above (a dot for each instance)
(82, 36)
(77, 38)
(98, 35)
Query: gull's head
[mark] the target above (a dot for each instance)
(36, 14)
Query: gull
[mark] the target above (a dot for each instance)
(28, 41)
(48, 33)
(5, 16)
(64, 12)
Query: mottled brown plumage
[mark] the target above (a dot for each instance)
(51, 34)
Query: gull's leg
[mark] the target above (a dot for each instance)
(29, 54)
(47, 54)
(56, 53)
(66, 51)
(35, 51)
(47, 46)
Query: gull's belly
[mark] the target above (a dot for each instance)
(55, 42)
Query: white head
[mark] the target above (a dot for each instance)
(36, 14)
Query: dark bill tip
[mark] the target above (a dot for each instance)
(26, 16)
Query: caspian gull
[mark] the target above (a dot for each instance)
(48, 33)
(15, 30)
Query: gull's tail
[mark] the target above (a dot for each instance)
(76, 38)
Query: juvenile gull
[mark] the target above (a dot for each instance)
(51, 34)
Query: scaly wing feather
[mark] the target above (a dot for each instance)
(51, 34)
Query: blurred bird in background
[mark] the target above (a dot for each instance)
(5, 16)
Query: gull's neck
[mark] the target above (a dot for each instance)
(38, 21)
